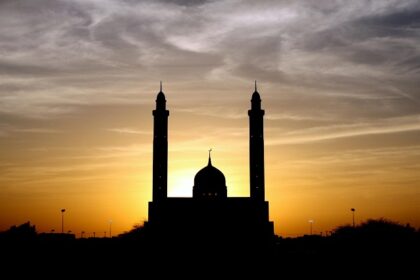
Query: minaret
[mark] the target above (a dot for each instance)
(160, 148)
(256, 147)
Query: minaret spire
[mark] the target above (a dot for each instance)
(256, 147)
(160, 148)
(210, 150)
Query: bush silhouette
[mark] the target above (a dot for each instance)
(25, 231)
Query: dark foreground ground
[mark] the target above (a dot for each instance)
(376, 250)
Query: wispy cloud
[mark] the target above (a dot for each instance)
(6, 130)
(214, 111)
(36, 130)
(392, 125)
(88, 52)
(128, 130)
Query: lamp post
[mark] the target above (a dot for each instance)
(352, 210)
(62, 220)
(310, 223)
(110, 225)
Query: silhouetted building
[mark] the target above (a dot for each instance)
(210, 216)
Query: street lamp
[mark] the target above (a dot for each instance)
(62, 220)
(310, 223)
(352, 210)
(110, 224)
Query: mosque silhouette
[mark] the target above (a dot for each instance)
(210, 215)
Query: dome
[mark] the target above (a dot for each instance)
(256, 96)
(256, 100)
(160, 96)
(210, 183)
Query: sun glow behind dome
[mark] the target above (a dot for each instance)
(180, 182)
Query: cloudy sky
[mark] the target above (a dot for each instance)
(339, 82)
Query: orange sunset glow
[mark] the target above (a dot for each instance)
(338, 82)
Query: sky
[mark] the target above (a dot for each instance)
(339, 82)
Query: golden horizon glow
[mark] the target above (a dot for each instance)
(302, 181)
